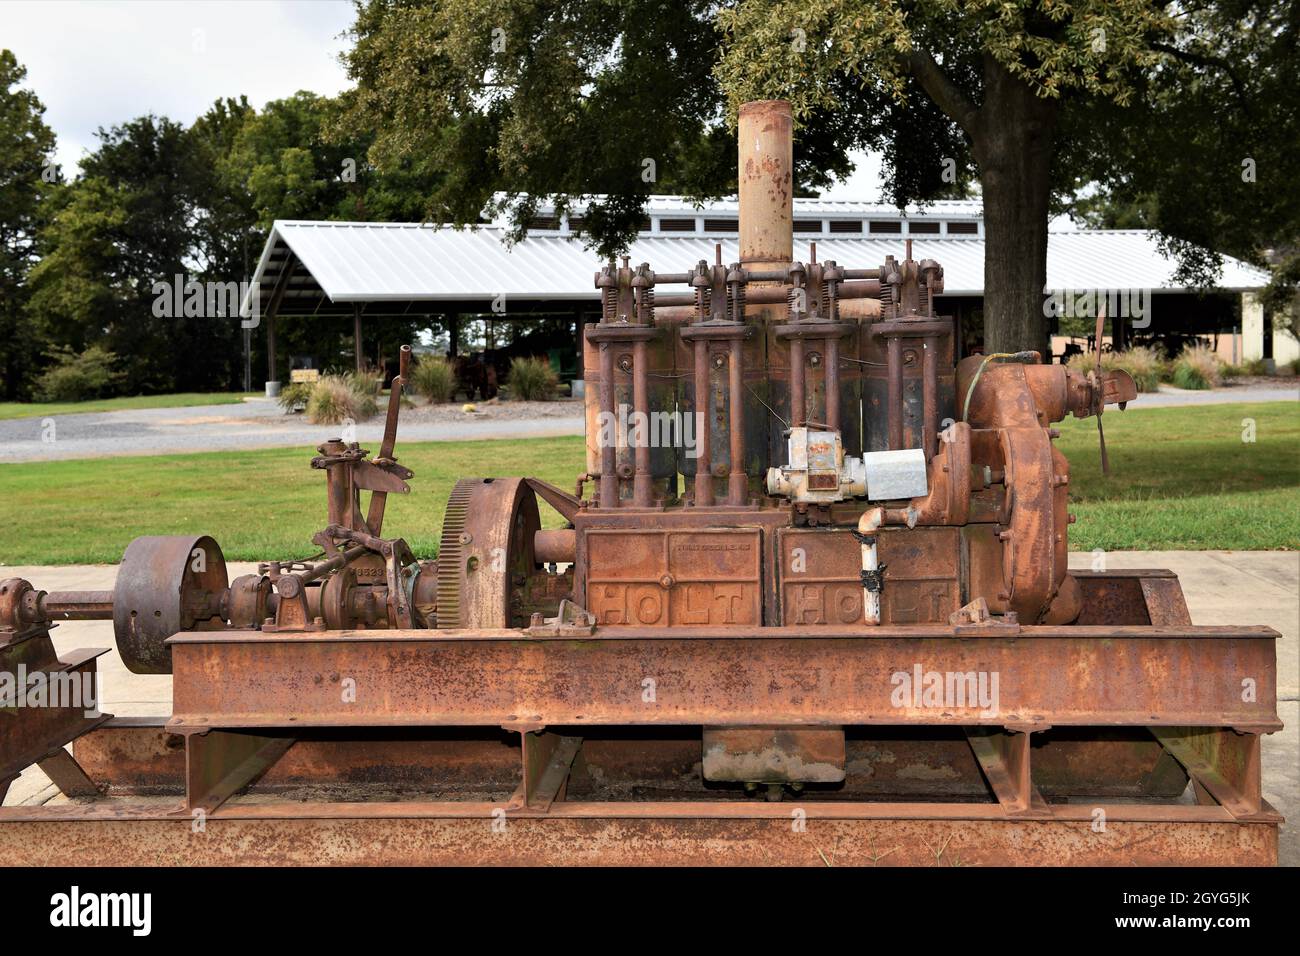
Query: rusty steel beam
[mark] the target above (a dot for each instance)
(30, 734)
(771, 676)
(660, 834)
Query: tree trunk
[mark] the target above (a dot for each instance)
(1013, 147)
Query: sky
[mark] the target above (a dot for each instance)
(98, 63)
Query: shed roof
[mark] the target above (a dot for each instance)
(410, 267)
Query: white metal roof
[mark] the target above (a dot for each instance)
(376, 262)
(831, 208)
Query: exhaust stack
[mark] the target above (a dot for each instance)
(766, 173)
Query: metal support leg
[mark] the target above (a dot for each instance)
(1222, 761)
(66, 774)
(220, 763)
(1004, 758)
(548, 758)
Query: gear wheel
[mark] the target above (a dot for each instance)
(486, 547)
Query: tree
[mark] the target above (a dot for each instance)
(1003, 70)
(284, 165)
(77, 286)
(226, 236)
(499, 104)
(27, 175)
(128, 223)
(1207, 153)
(287, 167)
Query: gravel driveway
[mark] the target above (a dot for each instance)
(259, 423)
(1168, 395)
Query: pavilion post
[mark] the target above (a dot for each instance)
(356, 335)
(578, 373)
(272, 309)
(272, 383)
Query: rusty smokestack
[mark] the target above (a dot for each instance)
(766, 171)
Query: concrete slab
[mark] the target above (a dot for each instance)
(1221, 587)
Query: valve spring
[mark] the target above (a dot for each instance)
(738, 302)
(703, 301)
(609, 304)
(647, 313)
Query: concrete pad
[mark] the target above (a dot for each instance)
(1221, 587)
(1230, 587)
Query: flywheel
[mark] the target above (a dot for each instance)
(485, 556)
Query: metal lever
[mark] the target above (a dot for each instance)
(379, 499)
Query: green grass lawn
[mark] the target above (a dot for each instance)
(1184, 478)
(1180, 478)
(182, 400)
(258, 504)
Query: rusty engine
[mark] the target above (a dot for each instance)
(813, 558)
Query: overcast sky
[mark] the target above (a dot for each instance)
(98, 63)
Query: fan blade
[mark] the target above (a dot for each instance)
(1101, 438)
(1101, 328)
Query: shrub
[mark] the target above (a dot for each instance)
(364, 404)
(1294, 366)
(1142, 363)
(434, 378)
(76, 378)
(1252, 367)
(1196, 367)
(333, 399)
(294, 398)
(365, 382)
(532, 379)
